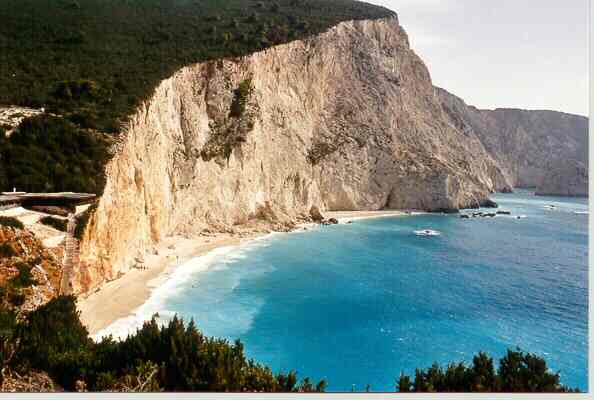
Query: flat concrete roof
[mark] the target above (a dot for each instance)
(67, 197)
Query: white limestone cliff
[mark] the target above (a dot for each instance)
(346, 120)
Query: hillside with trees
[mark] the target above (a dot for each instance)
(90, 63)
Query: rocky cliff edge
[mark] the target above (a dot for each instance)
(346, 120)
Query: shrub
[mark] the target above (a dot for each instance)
(16, 299)
(58, 224)
(8, 324)
(319, 151)
(241, 96)
(51, 154)
(6, 250)
(51, 337)
(518, 372)
(11, 222)
(24, 278)
(177, 356)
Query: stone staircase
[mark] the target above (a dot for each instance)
(71, 257)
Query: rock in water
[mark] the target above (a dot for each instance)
(315, 214)
(488, 203)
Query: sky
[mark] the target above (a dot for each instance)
(531, 54)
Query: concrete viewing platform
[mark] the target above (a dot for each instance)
(45, 199)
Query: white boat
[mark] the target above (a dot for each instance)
(551, 207)
(427, 232)
(582, 212)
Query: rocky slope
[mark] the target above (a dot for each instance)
(346, 120)
(547, 150)
(21, 252)
(565, 178)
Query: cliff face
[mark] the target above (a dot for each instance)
(346, 120)
(564, 178)
(543, 149)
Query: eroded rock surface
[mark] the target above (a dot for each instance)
(546, 150)
(565, 178)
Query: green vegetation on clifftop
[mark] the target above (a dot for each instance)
(51, 154)
(93, 61)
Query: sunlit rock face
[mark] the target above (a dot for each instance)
(546, 150)
(346, 120)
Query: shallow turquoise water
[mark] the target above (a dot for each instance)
(357, 304)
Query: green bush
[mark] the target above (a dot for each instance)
(53, 339)
(58, 224)
(11, 222)
(241, 96)
(319, 151)
(8, 323)
(50, 154)
(6, 250)
(518, 372)
(50, 336)
(17, 299)
(24, 278)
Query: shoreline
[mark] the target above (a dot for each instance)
(345, 216)
(123, 297)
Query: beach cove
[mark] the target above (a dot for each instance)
(373, 297)
(121, 298)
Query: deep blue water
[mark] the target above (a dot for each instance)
(357, 304)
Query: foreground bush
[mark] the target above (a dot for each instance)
(11, 222)
(175, 357)
(518, 372)
(24, 278)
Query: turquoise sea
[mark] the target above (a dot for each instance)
(357, 304)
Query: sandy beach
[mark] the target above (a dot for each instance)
(121, 297)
